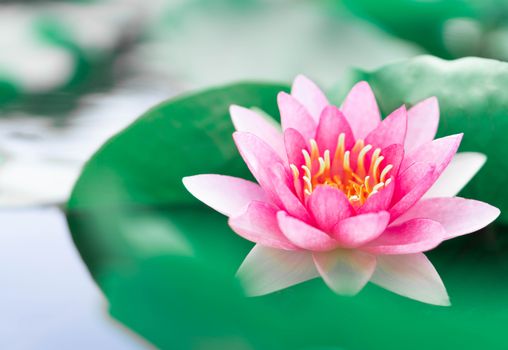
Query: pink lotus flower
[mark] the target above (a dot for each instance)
(344, 195)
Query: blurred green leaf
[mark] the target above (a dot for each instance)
(59, 51)
(8, 91)
(166, 263)
(446, 28)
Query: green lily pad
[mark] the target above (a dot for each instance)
(449, 29)
(166, 263)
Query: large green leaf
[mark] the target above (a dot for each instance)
(473, 99)
(166, 263)
(447, 28)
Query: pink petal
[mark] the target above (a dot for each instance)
(438, 152)
(422, 123)
(410, 178)
(393, 154)
(391, 130)
(249, 121)
(260, 158)
(378, 201)
(361, 110)
(295, 143)
(331, 125)
(458, 216)
(228, 195)
(413, 236)
(346, 272)
(304, 235)
(328, 206)
(309, 95)
(259, 224)
(361, 229)
(294, 115)
(412, 276)
(411, 191)
(289, 201)
(459, 172)
(266, 270)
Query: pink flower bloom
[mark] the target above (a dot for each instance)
(344, 195)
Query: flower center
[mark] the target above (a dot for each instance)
(356, 172)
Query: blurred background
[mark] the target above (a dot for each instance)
(72, 73)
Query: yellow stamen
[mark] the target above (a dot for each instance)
(375, 170)
(307, 171)
(366, 183)
(375, 155)
(295, 171)
(341, 145)
(358, 146)
(308, 184)
(346, 161)
(321, 169)
(357, 180)
(357, 177)
(314, 150)
(378, 187)
(360, 168)
(296, 180)
(306, 156)
(385, 172)
(327, 163)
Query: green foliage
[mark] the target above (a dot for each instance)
(446, 28)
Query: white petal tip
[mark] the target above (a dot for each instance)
(187, 182)
(249, 289)
(300, 77)
(193, 183)
(282, 96)
(363, 86)
(232, 109)
(459, 172)
(266, 270)
(302, 80)
(495, 213)
(436, 297)
(412, 276)
(445, 303)
(478, 158)
(236, 113)
(431, 99)
(226, 194)
(345, 292)
(443, 300)
(235, 109)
